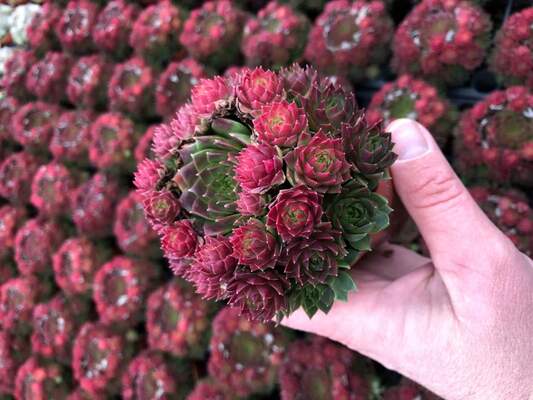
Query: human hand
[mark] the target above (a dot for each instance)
(460, 324)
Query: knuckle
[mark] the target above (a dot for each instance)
(440, 188)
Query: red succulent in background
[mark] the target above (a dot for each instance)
(35, 243)
(131, 88)
(16, 173)
(144, 148)
(408, 390)
(71, 137)
(350, 38)
(11, 218)
(408, 97)
(132, 231)
(295, 213)
(14, 350)
(209, 389)
(156, 31)
(178, 320)
(55, 324)
(100, 355)
(245, 355)
(39, 379)
(93, 205)
(113, 140)
(212, 33)
(75, 25)
(257, 88)
(113, 27)
(51, 189)
(494, 137)
(16, 70)
(8, 108)
(259, 168)
(275, 37)
(87, 81)
(150, 375)
(80, 394)
(33, 124)
(254, 246)
(442, 41)
(75, 263)
(280, 124)
(174, 85)
(120, 289)
(47, 78)
(40, 31)
(319, 367)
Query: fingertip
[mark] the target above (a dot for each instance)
(411, 139)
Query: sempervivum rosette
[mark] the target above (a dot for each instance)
(16, 173)
(132, 231)
(243, 180)
(81, 394)
(87, 81)
(113, 27)
(151, 375)
(16, 69)
(40, 379)
(512, 57)
(32, 125)
(11, 218)
(319, 368)
(350, 38)
(174, 85)
(156, 31)
(510, 212)
(212, 33)
(442, 40)
(14, 350)
(51, 189)
(8, 108)
(178, 320)
(75, 25)
(245, 355)
(408, 97)
(71, 137)
(99, 356)
(75, 263)
(275, 37)
(55, 324)
(495, 137)
(41, 34)
(121, 287)
(209, 389)
(131, 87)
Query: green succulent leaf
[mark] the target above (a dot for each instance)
(341, 285)
(312, 299)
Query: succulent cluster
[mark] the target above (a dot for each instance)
(276, 177)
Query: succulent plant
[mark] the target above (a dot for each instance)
(209, 389)
(512, 56)
(510, 212)
(93, 205)
(11, 218)
(213, 32)
(80, 394)
(113, 27)
(156, 31)
(286, 145)
(55, 324)
(408, 97)
(14, 350)
(16, 69)
(350, 38)
(121, 287)
(71, 137)
(75, 26)
(150, 375)
(75, 263)
(16, 173)
(494, 138)
(178, 320)
(51, 188)
(40, 31)
(35, 243)
(408, 390)
(275, 37)
(245, 356)
(33, 124)
(316, 368)
(99, 357)
(174, 85)
(132, 87)
(8, 107)
(144, 148)
(113, 140)
(87, 81)
(442, 41)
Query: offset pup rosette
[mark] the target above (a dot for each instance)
(266, 190)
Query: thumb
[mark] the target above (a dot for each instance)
(456, 231)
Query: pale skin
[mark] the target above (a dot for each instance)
(460, 323)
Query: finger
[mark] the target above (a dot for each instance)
(456, 231)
